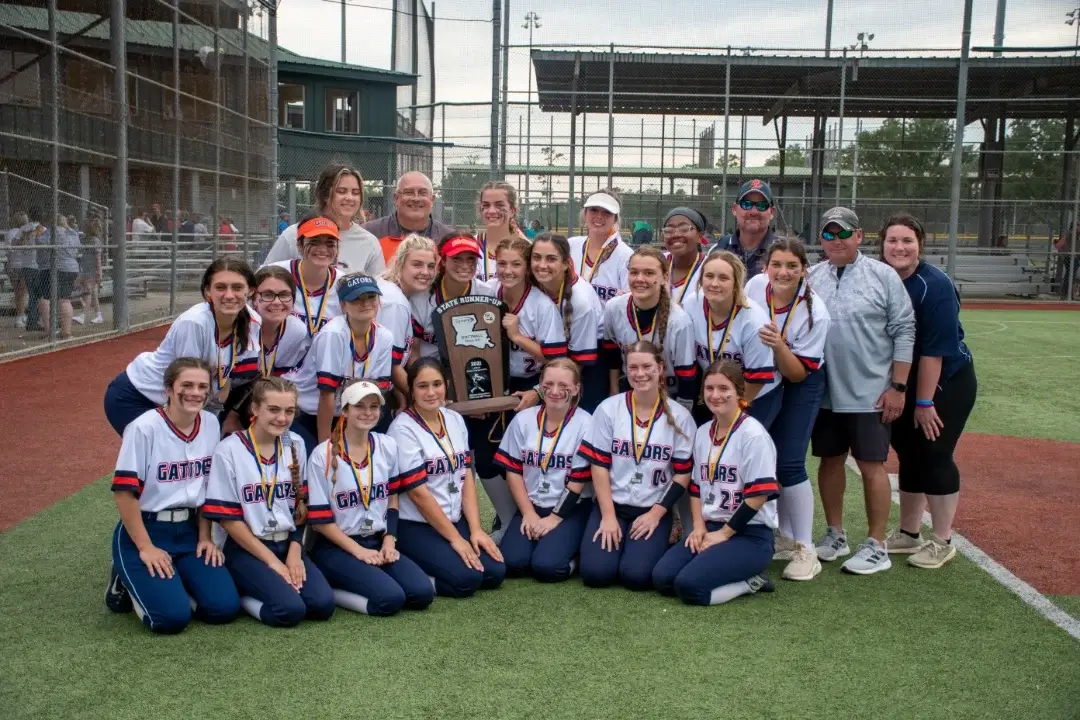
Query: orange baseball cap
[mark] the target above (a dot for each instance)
(317, 226)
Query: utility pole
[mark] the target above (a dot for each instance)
(862, 44)
(532, 22)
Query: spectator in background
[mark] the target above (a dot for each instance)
(1063, 245)
(158, 219)
(227, 235)
(34, 233)
(414, 199)
(187, 229)
(65, 259)
(89, 279)
(534, 229)
(283, 222)
(21, 264)
(142, 230)
(641, 233)
(754, 212)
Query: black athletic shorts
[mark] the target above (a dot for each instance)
(861, 434)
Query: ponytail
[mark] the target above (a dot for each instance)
(301, 509)
(667, 410)
(569, 278)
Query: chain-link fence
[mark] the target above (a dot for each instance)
(135, 144)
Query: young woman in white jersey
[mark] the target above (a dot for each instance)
(351, 346)
(497, 207)
(221, 331)
(581, 311)
(353, 483)
(315, 274)
(726, 325)
(647, 313)
(411, 271)
(732, 500)
(640, 448)
(600, 256)
(439, 528)
(284, 341)
(161, 549)
(544, 536)
(796, 331)
(257, 493)
(683, 231)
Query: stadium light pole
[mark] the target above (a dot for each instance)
(958, 142)
(532, 22)
(1074, 19)
(862, 44)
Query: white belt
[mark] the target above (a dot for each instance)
(174, 516)
(276, 536)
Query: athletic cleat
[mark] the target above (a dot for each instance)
(761, 583)
(783, 548)
(869, 558)
(832, 545)
(804, 564)
(933, 554)
(900, 543)
(117, 598)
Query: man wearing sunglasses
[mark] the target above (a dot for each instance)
(754, 211)
(868, 353)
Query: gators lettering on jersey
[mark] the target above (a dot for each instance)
(235, 490)
(746, 468)
(609, 443)
(422, 305)
(334, 360)
(194, 334)
(546, 464)
(740, 343)
(320, 304)
(335, 496)
(395, 315)
(163, 467)
(678, 343)
(445, 459)
(806, 343)
(539, 319)
(610, 277)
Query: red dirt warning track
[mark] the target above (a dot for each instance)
(53, 422)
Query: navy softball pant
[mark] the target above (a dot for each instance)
(124, 403)
(764, 408)
(166, 602)
(422, 544)
(693, 577)
(387, 588)
(547, 559)
(631, 564)
(594, 385)
(282, 606)
(792, 424)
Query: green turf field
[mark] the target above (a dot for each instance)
(904, 644)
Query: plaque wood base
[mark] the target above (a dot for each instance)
(490, 405)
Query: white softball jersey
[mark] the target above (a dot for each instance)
(586, 323)
(545, 461)
(688, 285)
(642, 457)
(444, 455)
(356, 495)
(423, 303)
(608, 278)
(725, 474)
(287, 350)
(539, 319)
(194, 334)
(314, 306)
(487, 268)
(395, 315)
(806, 343)
(162, 466)
(623, 327)
(734, 338)
(258, 491)
(336, 357)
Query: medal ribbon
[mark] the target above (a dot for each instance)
(442, 427)
(585, 258)
(723, 445)
(268, 495)
(631, 310)
(540, 439)
(709, 329)
(440, 292)
(266, 368)
(313, 327)
(690, 275)
(791, 311)
(638, 454)
(369, 343)
(231, 343)
(365, 490)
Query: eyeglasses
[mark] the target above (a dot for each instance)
(680, 229)
(840, 235)
(268, 297)
(760, 205)
(415, 193)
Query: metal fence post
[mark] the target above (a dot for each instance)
(246, 229)
(611, 116)
(496, 31)
(216, 220)
(505, 112)
(573, 143)
(176, 159)
(118, 50)
(1070, 268)
(727, 149)
(958, 143)
(840, 123)
(54, 121)
(272, 98)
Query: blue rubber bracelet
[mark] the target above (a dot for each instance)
(924, 403)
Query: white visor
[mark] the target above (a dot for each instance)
(603, 200)
(356, 392)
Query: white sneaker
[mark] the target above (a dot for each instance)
(804, 564)
(79, 319)
(20, 322)
(97, 319)
(832, 545)
(869, 558)
(783, 548)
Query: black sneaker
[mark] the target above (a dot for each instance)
(117, 598)
(761, 583)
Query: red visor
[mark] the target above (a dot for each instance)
(318, 226)
(460, 244)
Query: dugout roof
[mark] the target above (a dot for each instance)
(774, 86)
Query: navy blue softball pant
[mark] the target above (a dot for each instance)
(693, 577)
(124, 403)
(547, 559)
(387, 588)
(422, 544)
(631, 564)
(282, 606)
(792, 424)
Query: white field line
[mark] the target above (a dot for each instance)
(1032, 597)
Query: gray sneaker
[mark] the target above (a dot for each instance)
(783, 548)
(869, 558)
(899, 542)
(832, 545)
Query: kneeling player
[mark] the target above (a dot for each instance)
(162, 551)
(353, 481)
(256, 492)
(732, 500)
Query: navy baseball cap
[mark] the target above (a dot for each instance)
(755, 186)
(354, 286)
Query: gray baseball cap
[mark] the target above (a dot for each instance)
(842, 216)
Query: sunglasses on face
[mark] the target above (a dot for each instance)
(269, 297)
(838, 235)
(759, 205)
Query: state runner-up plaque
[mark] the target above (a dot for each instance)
(474, 346)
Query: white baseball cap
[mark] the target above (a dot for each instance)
(360, 390)
(603, 200)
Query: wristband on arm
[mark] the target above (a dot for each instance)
(671, 496)
(566, 504)
(742, 517)
(924, 403)
(392, 522)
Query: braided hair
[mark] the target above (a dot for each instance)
(644, 346)
(663, 309)
(259, 390)
(231, 263)
(793, 245)
(562, 246)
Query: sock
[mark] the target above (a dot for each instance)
(139, 612)
(431, 579)
(913, 536)
(797, 502)
(573, 565)
(252, 607)
(783, 516)
(194, 605)
(728, 592)
(498, 491)
(351, 601)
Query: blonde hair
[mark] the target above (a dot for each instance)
(644, 346)
(738, 271)
(564, 364)
(612, 193)
(413, 242)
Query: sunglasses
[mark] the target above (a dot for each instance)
(760, 205)
(840, 235)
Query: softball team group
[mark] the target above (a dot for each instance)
(287, 449)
